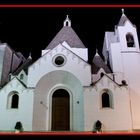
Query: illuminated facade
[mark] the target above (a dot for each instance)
(61, 91)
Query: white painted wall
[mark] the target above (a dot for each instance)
(131, 66)
(9, 117)
(75, 76)
(81, 52)
(43, 93)
(74, 65)
(117, 118)
(115, 58)
(125, 64)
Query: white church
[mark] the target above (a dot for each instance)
(61, 91)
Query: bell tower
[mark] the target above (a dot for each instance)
(121, 51)
(127, 35)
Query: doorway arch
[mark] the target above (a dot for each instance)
(42, 107)
(60, 110)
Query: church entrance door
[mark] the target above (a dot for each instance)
(60, 110)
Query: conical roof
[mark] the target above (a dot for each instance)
(123, 19)
(66, 34)
(99, 63)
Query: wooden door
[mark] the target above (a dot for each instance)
(60, 110)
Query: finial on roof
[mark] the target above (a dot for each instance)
(67, 21)
(122, 11)
(30, 57)
(67, 17)
(96, 52)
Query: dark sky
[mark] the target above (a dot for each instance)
(31, 30)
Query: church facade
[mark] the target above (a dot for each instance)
(61, 91)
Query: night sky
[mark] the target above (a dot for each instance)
(31, 30)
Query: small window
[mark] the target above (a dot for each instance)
(67, 23)
(106, 99)
(13, 100)
(130, 40)
(59, 60)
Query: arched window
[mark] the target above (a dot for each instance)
(13, 100)
(67, 23)
(106, 99)
(130, 40)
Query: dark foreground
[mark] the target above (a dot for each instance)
(73, 135)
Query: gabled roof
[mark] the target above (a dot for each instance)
(108, 78)
(99, 63)
(53, 49)
(14, 78)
